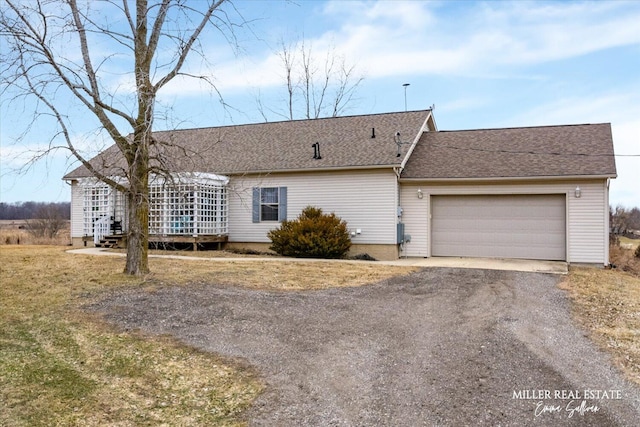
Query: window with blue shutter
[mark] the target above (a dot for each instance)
(282, 208)
(269, 204)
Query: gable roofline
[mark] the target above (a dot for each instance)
(428, 125)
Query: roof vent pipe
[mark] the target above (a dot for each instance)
(316, 151)
(373, 133)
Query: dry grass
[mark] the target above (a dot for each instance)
(12, 234)
(199, 253)
(628, 243)
(61, 366)
(272, 275)
(607, 303)
(624, 259)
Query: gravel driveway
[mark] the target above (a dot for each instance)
(438, 347)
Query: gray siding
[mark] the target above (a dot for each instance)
(76, 210)
(587, 216)
(365, 199)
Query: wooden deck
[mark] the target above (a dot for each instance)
(218, 239)
(120, 240)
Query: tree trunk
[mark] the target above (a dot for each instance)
(138, 211)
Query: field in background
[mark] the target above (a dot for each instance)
(623, 257)
(628, 243)
(15, 232)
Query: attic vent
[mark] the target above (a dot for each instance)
(316, 151)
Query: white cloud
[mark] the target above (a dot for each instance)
(21, 154)
(401, 38)
(485, 37)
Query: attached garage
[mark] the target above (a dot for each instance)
(531, 193)
(500, 226)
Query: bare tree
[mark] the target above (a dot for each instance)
(624, 220)
(317, 87)
(619, 219)
(55, 48)
(47, 222)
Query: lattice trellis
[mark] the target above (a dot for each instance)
(187, 204)
(186, 208)
(100, 202)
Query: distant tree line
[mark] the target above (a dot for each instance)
(35, 210)
(622, 220)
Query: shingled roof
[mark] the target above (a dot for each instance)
(546, 151)
(345, 142)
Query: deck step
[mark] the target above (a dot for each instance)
(108, 243)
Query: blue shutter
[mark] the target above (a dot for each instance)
(256, 204)
(282, 208)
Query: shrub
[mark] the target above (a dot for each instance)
(637, 252)
(312, 235)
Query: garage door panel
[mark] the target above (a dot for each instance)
(514, 226)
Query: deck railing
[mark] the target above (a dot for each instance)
(101, 228)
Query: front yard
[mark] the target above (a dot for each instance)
(607, 304)
(61, 366)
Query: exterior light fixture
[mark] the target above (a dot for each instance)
(419, 193)
(578, 192)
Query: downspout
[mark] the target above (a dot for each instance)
(606, 223)
(398, 170)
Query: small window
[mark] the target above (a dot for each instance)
(269, 204)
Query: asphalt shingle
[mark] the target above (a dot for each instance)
(345, 142)
(545, 151)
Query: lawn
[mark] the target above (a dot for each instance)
(607, 304)
(628, 243)
(61, 366)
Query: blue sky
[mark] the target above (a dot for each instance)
(482, 64)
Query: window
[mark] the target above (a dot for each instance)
(269, 204)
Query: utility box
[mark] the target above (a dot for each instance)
(400, 233)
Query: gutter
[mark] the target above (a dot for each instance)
(266, 172)
(508, 178)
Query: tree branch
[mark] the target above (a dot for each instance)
(186, 48)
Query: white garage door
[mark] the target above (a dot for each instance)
(529, 227)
